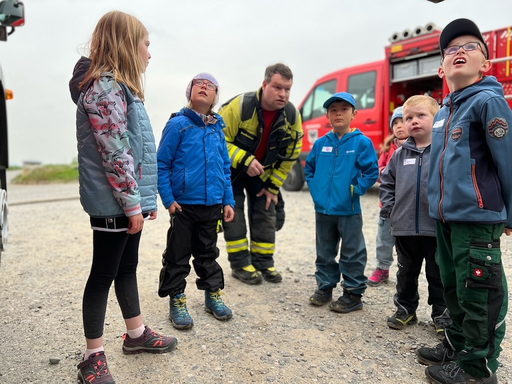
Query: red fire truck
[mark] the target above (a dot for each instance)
(409, 68)
(11, 15)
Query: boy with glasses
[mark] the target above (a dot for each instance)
(470, 197)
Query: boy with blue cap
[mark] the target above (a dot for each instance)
(340, 168)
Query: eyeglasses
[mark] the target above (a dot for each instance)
(466, 47)
(200, 83)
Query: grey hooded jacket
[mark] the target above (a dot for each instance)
(403, 191)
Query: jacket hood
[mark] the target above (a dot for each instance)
(486, 83)
(81, 68)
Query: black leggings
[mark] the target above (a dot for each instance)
(115, 258)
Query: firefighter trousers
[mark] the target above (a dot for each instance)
(262, 226)
(475, 290)
(193, 231)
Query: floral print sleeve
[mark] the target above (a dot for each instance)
(105, 103)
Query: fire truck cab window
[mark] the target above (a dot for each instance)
(313, 106)
(362, 87)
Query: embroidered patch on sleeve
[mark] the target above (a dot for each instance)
(498, 128)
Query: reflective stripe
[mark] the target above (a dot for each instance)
(237, 245)
(263, 248)
(236, 156)
(277, 177)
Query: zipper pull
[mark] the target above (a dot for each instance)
(140, 171)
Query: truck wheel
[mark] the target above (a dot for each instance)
(295, 179)
(4, 224)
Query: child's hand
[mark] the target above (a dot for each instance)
(229, 213)
(136, 224)
(174, 206)
(507, 231)
(152, 215)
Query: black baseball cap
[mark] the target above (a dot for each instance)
(460, 27)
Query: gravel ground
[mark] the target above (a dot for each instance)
(275, 336)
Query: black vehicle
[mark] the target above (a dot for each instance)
(12, 14)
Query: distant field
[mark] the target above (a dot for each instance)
(46, 174)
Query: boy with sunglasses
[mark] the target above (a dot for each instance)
(470, 197)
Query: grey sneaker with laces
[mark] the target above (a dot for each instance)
(439, 355)
(453, 374)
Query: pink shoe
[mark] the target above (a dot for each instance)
(378, 277)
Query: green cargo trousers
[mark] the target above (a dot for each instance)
(475, 290)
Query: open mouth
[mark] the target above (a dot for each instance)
(459, 60)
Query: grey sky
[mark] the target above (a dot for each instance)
(232, 39)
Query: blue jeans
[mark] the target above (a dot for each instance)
(330, 230)
(385, 242)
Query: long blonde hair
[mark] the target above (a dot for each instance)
(115, 48)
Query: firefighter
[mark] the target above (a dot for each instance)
(264, 137)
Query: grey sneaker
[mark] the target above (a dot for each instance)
(453, 374)
(439, 355)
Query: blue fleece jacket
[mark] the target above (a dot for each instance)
(339, 171)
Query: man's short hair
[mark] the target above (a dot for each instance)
(279, 68)
(430, 102)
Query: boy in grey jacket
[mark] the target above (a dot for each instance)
(403, 193)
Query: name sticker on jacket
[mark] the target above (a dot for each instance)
(326, 149)
(409, 161)
(438, 124)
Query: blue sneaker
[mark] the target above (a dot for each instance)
(216, 306)
(178, 313)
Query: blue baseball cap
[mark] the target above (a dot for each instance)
(340, 96)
